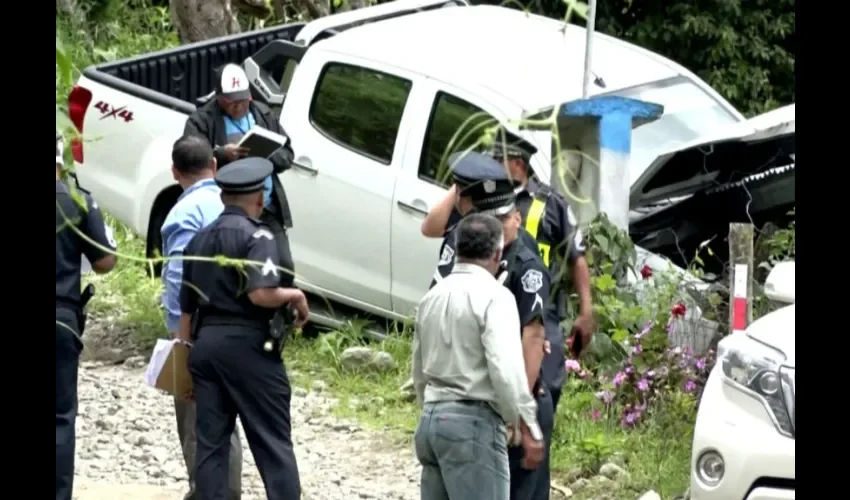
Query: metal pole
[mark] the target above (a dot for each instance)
(588, 48)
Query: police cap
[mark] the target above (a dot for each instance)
(512, 146)
(484, 181)
(244, 176)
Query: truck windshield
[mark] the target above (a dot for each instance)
(689, 112)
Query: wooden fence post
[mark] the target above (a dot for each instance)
(740, 276)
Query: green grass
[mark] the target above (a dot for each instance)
(128, 294)
(656, 455)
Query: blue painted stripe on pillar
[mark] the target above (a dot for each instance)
(615, 132)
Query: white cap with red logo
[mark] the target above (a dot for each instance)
(232, 82)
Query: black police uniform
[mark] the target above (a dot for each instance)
(232, 371)
(71, 220)
(475, 175)
(548, 219)
(485, 181)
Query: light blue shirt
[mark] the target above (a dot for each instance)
(196, 208)
(235, 130)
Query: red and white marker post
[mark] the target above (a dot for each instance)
(741, 263)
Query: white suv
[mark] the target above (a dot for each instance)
(745, 431)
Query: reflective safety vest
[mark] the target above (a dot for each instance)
(532, 221)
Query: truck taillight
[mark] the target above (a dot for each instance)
(78, 101)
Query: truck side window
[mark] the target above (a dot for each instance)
(360, 109)
(455, 126)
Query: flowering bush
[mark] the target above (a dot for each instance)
(634, 363)
(639, 359)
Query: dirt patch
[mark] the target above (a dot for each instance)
(90, 490)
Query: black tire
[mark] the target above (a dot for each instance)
(153, 242)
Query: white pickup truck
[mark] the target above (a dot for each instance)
(370, 99)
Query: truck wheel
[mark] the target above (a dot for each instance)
(161, 206)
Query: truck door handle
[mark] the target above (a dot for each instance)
(417, 206)
(305, 165)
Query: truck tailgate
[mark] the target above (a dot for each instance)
(125, 138)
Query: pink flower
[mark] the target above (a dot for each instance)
(572, 365)
(605, 396)
(646, 272)
(700, 364)
(637, 349)
(643, 385)
(619, 378)
(690, 386)
(678, 310)
(595, 415)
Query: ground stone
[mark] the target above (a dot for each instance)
(650, 495)
(127, 447)
(614, 472)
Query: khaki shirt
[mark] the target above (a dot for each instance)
(467, 346)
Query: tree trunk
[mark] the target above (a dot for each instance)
(71, 9)
(311, 9)
(353, 5)
(196, 20)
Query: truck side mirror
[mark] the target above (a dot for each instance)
(780, 283)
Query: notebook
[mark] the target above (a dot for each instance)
(263, 143)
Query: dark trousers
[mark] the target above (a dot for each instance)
(555, 393)
(68, 348)
(533, 484)
(232, 375)
(186, 414)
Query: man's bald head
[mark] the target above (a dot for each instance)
(479, 237)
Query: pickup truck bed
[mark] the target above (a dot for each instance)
(177, 78)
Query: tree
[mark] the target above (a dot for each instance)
(744, 50)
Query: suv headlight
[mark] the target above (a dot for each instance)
(756, 369)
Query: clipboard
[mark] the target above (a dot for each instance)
(263, 143)
(168, 368)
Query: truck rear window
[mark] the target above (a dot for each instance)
(360, 109)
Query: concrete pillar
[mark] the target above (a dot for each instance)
(600, 128)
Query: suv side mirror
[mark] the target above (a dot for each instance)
(780, 283)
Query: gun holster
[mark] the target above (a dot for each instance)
(196, 325)
(280, 327)
(85, 297)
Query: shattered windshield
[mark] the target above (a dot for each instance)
(689, 112)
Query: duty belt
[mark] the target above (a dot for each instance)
(276, 328)
(226, 320)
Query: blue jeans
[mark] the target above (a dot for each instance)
(463, 450)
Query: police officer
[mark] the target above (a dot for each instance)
(548, 219)
(483, 186)
(475, 177)
(79, 231)
(228, 311)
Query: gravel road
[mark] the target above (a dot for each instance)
(127, 447)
